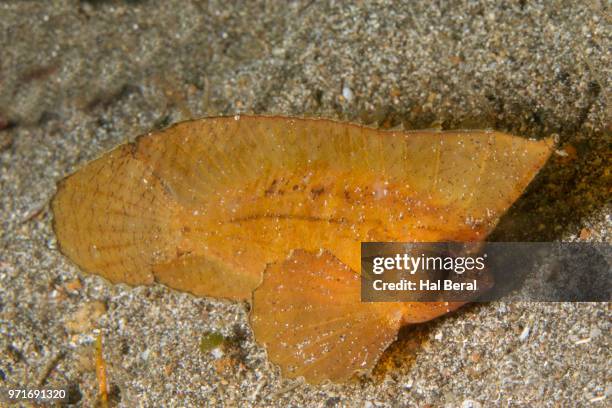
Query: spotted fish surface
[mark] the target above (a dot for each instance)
(273, 210)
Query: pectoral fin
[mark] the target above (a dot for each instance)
(309, 315)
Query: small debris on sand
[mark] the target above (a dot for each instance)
(85, 318)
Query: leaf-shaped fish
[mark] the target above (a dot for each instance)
(207, 206)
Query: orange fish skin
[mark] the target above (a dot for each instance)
(207, 206)
(232, 195)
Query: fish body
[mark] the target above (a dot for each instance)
(274, 209)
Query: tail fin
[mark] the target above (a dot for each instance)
(309, 315)
(116, 219)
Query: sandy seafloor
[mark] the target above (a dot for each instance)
(79, 77)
